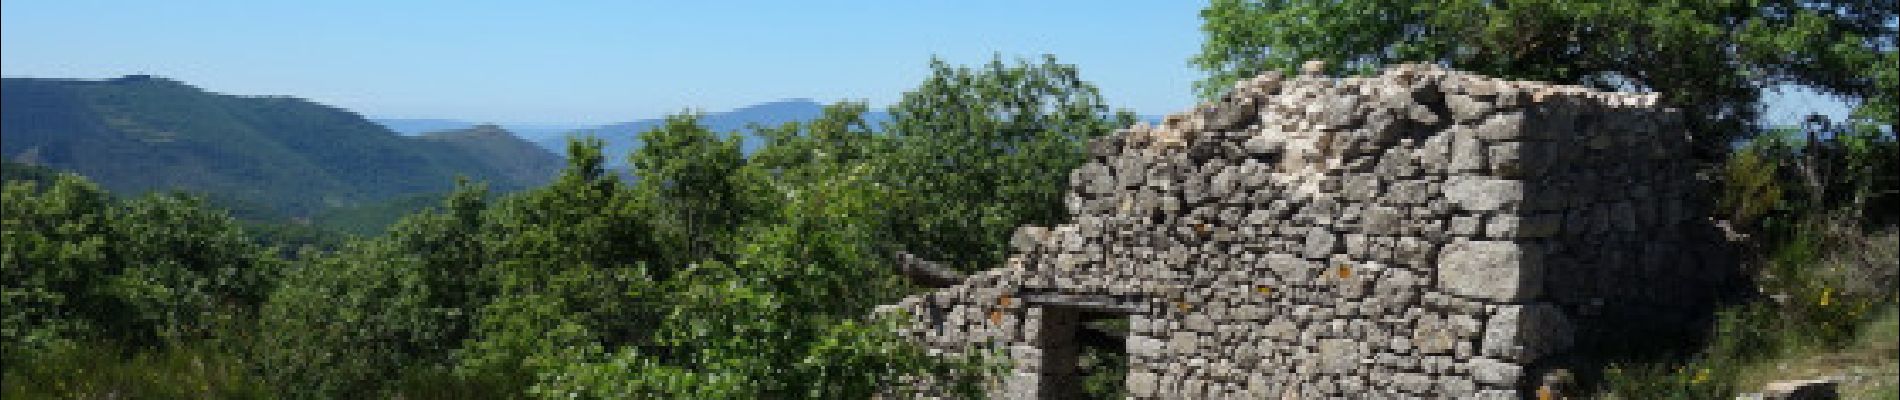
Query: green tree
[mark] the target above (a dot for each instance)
(1711, 58)
(473, 293)
(342, 325)
(55, 253)
(695, 183)
(802, 153)
(787, 316)
(79, 265)
(571, 270)
(980, 151)
(142, 297)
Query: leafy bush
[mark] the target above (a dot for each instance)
(1825, 250)
(979, 151)
(78, 265)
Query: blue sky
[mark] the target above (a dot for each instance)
(592, 61)
(589, 62)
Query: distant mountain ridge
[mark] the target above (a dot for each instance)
(622, 138)
(513, 159)
(531, 132)
(140, 133)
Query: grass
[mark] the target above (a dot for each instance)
(1829, 311)
(1869, 366)
(103, 371)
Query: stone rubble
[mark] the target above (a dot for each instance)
(1420, 233)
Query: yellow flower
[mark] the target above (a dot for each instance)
(1701, 376)
(1264, 290)
(1827, 296)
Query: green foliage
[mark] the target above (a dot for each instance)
(372, 218)
(1105, 373)
(103, 297)
(293, 239)
(1850, 172)
(980, 151)
(572, 289)
(801, 154)
(1747, 339)
(55, 243)
(79, 265)
(697, 187)
(1754, 186)
(103, 371)
(1819, 217)
(1712, 58)
(781, 318)
(710, 276)
(340, 325)
(13, 171)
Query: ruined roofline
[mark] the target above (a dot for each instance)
(1232, 111)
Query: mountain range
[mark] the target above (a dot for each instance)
(623, 138)
(140, 133)
(294, 157)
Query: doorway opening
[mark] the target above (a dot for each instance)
(1102, 355)
(1084, 347)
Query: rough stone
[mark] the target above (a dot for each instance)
(1491, 270)
(1321, 237)
(1492, 371)
(1523, 333)
(1485, 194)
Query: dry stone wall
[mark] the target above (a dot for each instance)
(1419, 233)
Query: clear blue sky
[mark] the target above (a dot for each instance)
(587, 62)
(593, 61)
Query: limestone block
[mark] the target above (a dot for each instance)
(1321, 243)
(1466, 108)
(1493, 371)
(1467, 152)
(1338, 356)
(1232, 114)
(1382, 126)
(1313, 68)
(1434, 154)
(1525, 333)
(1496, 394)
(1491, 270)
(1484, 194)
(1143, 384)
(1342, 112)
(1381, 221)
(1503, 126)
(1465, 225)
(1434, 335)
(1506, 159)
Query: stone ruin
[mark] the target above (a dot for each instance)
(1421, 233)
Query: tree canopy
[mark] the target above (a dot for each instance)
(1712, 58)
(707, 274)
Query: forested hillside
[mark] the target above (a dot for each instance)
(137, 134)
(712, 275)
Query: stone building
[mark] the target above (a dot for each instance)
(1420, 233)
